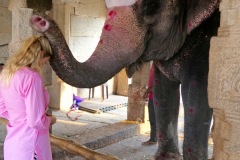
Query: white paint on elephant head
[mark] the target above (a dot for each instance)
(118, 3)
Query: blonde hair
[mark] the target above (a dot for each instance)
(29, 55)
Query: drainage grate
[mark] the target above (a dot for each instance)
(106, 109)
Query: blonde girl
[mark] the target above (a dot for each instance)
(24, 100)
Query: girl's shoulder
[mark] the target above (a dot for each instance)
(27, 74)
(27, 71)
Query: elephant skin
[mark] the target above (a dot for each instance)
(176, 35)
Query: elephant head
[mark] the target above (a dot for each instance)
(135, 31)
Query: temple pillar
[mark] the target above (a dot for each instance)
(224, 83)
(136, 90)
(20, 23)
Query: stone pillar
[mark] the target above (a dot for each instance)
(136, 103)
(5, 30)
(121, 83)
(224, 83)
(20, 23)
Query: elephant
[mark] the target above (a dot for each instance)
(175, 35)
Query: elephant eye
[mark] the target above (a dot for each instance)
(150, 7)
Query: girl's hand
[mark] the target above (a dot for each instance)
(53, 119)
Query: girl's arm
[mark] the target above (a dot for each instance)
(35, 103)
(3, 110)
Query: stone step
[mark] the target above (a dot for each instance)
(103, 136)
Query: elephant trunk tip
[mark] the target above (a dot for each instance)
(39, 23)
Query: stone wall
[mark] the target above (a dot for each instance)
(5, 30)
(224, 83)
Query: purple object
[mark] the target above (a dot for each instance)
(76, 101)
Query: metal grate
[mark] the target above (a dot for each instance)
(106, 109)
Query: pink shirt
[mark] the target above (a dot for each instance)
(150, 82)
(24, 104)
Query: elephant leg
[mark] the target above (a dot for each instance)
(197, 114)
(166, 104)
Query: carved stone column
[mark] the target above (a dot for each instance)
(136, 103)
(224, 83)
(20, 23)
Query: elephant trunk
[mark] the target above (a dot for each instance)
(120, 45)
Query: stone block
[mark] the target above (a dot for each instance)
(4, 52)
(122, 83)
(141, 76)
(4, 27)
(234, 157)
(5, 38)
(24, 28)
(234, 4)
(4, 3)
(59, 15)
(136, 103)
(232, 16)
(5, 30)
(16, 4)
(224, 72)
(86, 26)
(82, 47)
(217, 138)
(226, 131)
(60, 94)
(20, 28)
(91, 8)
(66, 1)
(225, 4)
(224, 94)
(3, 60)
(3, 11)
(224, 18)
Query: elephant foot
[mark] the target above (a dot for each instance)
(168, 156)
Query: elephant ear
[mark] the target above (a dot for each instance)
(198, 11)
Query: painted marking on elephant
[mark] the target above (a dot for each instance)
(189, 153)
(191, 110)
(189, 25)
(156, 103)
(112, 14)
(108, 27)
(193, 83)
(100, 41)
(160, 137)
(156, 81)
